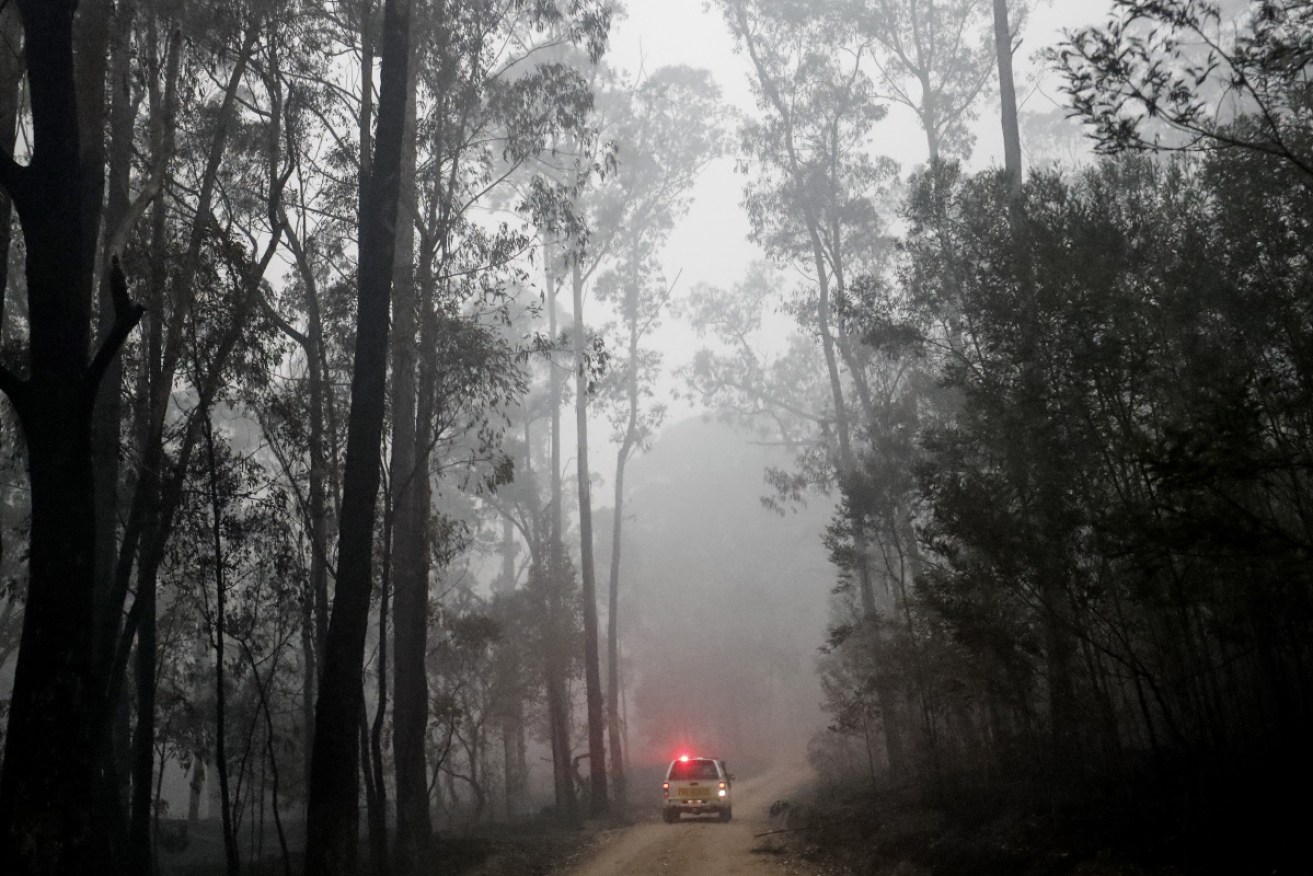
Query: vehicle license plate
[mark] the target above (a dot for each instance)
(699, 793)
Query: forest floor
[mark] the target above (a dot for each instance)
(531, 847)
(786, 825)
(1017, 831)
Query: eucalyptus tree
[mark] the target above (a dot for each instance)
(1007, 26)
(331, 820)
(816, 198)
(112, 632)
(553, 200)
(935, 58)
(666, 130)
(327, 132)
(813, 196)
(529, 506)
(183, 337)
(574, 253)
(227, 618)
(605, 199)
(1153, 366)
(46, 807)
(492, 93)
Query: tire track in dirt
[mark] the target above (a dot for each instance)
(701, 846)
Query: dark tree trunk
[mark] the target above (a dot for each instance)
(409, 544)
(156, 496)
(231, 854)
(378, 800)
(105, 435)
(332, 817)
(140, 852)
(11, 74)
(46, 790)
(106, 423)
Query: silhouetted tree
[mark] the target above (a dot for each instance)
(46, 802)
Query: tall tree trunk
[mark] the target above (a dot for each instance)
(828, 272)
(929, 117)
(11, 74)
(513, 721)
(194, 788)
(90, 58)
(153, 493)
(556, 660)
(378, 801)
(231, 853)
(332, 819)
(141, 856)
(105, 425)
(598, 802)
(1007, 93)
(627, 445)
(46, 790)
(106, 438)
(314, 628)
(613, 642)
(829, 263)
(409, 545)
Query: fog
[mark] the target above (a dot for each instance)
(424, 419)
(724, 603)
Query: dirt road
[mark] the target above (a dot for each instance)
(701, 846)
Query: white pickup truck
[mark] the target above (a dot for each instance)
(696, 785)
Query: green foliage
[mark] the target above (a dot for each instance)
(1129, 458)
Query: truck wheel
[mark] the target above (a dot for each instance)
(726, 813)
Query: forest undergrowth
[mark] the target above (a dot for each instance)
(530, 847)
(1129, 827)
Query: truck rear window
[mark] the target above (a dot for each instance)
(683, 770)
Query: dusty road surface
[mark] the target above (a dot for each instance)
(701, 846)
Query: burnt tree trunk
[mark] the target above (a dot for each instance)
(332, 808)
(409, 544)
(46, 789)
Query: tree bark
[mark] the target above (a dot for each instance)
(409, 545)
(46, 789)
(105, 425)
(11, 74)
(378, 801)
(232, 856)
(332, 816)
